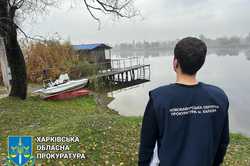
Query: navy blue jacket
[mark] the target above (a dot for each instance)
(189, 124)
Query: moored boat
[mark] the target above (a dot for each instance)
(70, 85)
(63, 87)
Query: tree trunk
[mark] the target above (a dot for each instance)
(17, 66)
(13, 51)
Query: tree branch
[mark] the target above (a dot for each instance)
(125, 10)
(91, 13)
(29, 37)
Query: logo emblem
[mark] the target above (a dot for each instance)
(20, 151)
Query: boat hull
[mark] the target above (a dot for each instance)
(69, 94)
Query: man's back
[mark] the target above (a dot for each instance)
(190, 124)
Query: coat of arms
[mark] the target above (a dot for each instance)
(20, 151)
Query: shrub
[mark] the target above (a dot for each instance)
(54, 58)
(51, 56)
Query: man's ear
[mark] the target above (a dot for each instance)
(175, 64)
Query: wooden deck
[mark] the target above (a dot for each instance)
(121, 70)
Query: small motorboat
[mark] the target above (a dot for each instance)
(70, 85)
(68, 94)
(63, 84)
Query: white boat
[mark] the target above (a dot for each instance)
(61, 85)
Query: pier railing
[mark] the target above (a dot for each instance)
(126, 63)
(120, 64)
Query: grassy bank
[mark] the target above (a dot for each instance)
(105, 137)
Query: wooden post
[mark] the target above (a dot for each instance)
(118, 77)
(143, 72)
(122, 76)
(137, 76)
(149, 72)
(134, 74)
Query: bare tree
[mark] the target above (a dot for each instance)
(119, 8)
(11, 10)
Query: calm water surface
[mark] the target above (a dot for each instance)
(231, 72)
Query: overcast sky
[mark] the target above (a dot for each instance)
(162, 20)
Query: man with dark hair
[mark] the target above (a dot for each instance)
(187, 119)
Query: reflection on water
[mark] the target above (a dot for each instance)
(154, 53)
(229, 72)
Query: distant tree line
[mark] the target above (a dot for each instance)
(144, 45)
(220, 42)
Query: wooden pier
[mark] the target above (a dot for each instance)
(123, 72)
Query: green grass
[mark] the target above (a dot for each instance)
(105, 137)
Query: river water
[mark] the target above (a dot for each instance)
(229, 70)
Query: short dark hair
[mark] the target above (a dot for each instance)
(190, 53)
